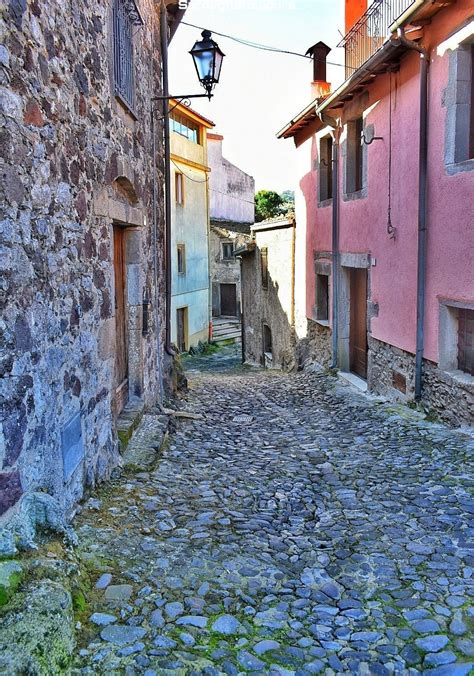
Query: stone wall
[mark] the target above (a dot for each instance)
(316, 346)
(391, 373)
(270, 306)
(74, 161)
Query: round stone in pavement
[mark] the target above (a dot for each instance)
(249, 661)
(227, 624)
(264, 646)
(121, 634)
(431, 644)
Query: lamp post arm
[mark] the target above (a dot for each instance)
(181, 98)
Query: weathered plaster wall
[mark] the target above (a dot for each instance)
(273, 305)
(190, 226)
(231, 190)
(73, 161)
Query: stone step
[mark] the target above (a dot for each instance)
(226, 334)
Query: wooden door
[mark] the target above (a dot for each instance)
(228, 300)
(121, 337)
(358, 322)
(181, 329)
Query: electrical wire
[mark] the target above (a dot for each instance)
(391, 229)
(266, 48)
(194, 180)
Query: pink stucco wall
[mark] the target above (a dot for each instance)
(363, 222)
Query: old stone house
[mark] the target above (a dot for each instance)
(384, 205)
(232, 212)
(268, 294)
(81, 236)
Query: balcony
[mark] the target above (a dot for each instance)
(371, 31)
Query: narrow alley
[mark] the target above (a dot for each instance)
(297, 527)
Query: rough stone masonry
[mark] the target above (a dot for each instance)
(75, 161)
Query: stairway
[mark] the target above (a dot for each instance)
(226, 330)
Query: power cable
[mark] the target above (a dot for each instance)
(194, 180)
(266, 48)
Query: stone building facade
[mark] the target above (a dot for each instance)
(232, 212)
(268, 294)
(82, 315)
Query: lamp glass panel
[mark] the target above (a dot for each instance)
(204, 64)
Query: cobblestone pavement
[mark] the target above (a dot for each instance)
(325, 532)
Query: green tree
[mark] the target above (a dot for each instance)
(267, 204)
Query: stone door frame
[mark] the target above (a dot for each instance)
(348, 261)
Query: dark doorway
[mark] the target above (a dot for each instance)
(121, 336)
(228, 300)
(267, 340)
(181, 328)
(358, 322)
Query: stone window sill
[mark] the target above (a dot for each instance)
(322, 322)
(125, 105)
(357, 195)
(322, 204)
(458, 167)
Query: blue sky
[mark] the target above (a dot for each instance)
(259, 91)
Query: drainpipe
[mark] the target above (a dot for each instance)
(293, 273)
(331, 122)
(242, 326)
(166, 122)
(422, 204)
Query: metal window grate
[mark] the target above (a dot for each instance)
(371, 31)
(125, 17)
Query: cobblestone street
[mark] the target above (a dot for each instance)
(298, 527)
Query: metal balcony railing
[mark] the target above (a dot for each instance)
(370, 31)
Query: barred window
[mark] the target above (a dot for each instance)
(125, 17)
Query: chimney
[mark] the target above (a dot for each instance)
(354, 10)
(320, 87)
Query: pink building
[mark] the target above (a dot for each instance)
(387, 203)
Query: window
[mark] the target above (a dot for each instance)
(322, 297)
(355, 157)
(185, 127)
(325, 168)
(179, 187)
(456, 337)
(181, 250)
(227, 251)
(264, 264)
(125, 17)
(459, 101)
(466, 340)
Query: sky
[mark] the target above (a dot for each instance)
(259, 92)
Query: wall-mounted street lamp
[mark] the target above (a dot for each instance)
(207, 57)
